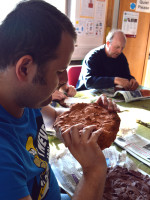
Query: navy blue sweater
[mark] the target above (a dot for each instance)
(99, 70)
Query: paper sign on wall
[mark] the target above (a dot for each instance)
(91, 18)
(143, 6)
(130, 23)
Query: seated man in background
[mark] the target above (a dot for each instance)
(106, 66)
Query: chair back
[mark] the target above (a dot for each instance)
(73, 74)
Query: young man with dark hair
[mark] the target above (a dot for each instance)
(36, 44)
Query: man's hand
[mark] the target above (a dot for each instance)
(107, 103)
(82, 143)
(58, 96)
(133, 84)
(125, 83)
(69, 90)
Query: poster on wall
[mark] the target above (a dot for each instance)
(143, 6)
(89, 27)
(89, 22)
(87, 8)
(91, 19)
(130, 23)
(100, 9)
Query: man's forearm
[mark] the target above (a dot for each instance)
(49, 114)
(59, 111)
(90, 188)
(100, 82)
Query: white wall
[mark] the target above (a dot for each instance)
(6, 7)
(115, 14)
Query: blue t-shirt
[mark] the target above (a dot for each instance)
(24, 158)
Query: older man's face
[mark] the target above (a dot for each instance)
(116, 46)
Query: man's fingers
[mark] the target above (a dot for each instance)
(72, 135)
(102, 100)
(134, 84)
(86, 132)
(66, 137)
(95, 135)
(107, 103)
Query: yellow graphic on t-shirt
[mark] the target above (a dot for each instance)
(41, 164)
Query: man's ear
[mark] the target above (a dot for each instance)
(107, 43)
(23, 67)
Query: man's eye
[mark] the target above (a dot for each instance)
(60, 72)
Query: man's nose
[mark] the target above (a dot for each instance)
(63, 78)
(120, 50)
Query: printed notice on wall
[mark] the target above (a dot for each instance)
(100, 9)
(89, 22)
(143, 6)
(130, 23)
(91, 18)
(87, 8)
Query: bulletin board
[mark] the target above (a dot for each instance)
(89, 23)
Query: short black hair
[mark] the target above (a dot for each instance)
(33, 28)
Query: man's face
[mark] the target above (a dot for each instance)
(115, 48)
(38, 94)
